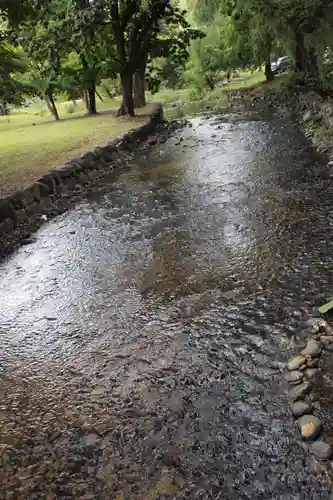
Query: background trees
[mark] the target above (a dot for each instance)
(108, 38)
(71, 46)
(264, 28)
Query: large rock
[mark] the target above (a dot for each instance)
(7, 210)
(45, 203)
(55, 175)
(300, 408)
(295, 363)
(310, 427)
(101, 156)
(35, 190)
(294, 377)
(299, 391)
(43, 189)
(312, 349)
(321, 450)
(23, 198)
(70, 169)
(310, 373)
(87, 160)
(49, 181)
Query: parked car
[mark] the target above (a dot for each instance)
(282, 64)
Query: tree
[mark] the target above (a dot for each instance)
(43, 52)
(132, 22)
(11, 64)
(170, 42)
(89, 35)
(10, 61)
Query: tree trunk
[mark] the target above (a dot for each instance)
(268, 68)
(92, 99)
(108, 92)
(52, 106)
(127, 107)
(48, 104)
(268, 71)
(99, 96)
(139, 85)
(85, 99)
(306, 59)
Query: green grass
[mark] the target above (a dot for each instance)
(32, 144)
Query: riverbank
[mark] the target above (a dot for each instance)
(31, 145)
(23, 211)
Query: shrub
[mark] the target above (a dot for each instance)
(70, 108)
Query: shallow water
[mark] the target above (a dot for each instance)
(143, 336)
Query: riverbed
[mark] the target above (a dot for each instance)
(144, 334)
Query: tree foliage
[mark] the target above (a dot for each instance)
(262, 28)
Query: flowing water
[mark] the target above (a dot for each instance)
(143, 335)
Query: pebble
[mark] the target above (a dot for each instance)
(295, 363)
(322, 324)
(312, 349)
(321, 450)
(310, 426)
(310, 372)
(294, 377)
(315, 328)
(299, 391)
(300, 408)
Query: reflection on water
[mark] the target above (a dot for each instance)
(143, 335)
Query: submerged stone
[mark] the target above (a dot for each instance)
(294, 377)
(310, 373)
(300, 408)
(312, 349)
(310, 426)
(321, 450)
(295, 363)
(299, 391)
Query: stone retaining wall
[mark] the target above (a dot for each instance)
(32, 201)
(316, 116)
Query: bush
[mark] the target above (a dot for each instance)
(196, 93)
(70, 108)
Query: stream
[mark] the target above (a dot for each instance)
(144, 334)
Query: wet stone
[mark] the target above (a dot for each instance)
(322, 324)
(310, 373)
(294, 377)
(312, 349)
(28, 241)
(321, 450)
(310, 426)
(295, 363)
(299, 391)
(300, 408)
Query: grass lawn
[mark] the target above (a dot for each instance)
(32, 144)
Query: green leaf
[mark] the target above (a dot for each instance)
(326, 307)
